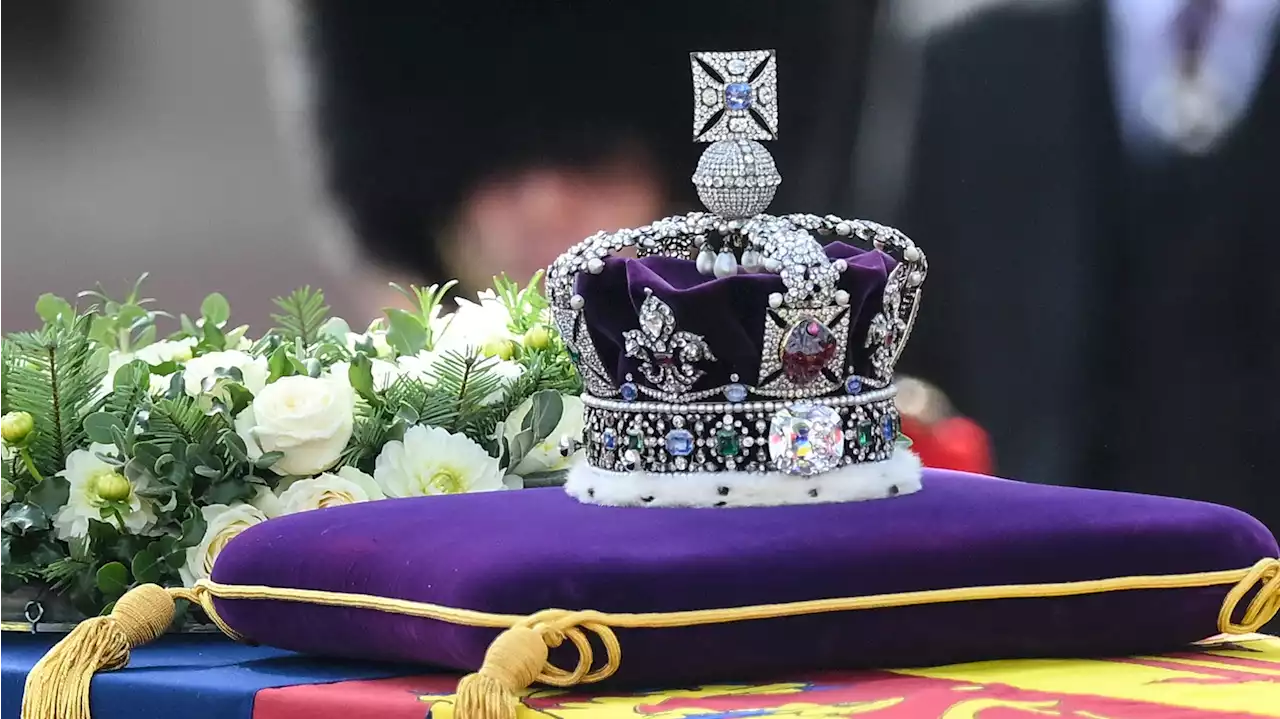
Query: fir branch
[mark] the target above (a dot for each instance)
(8, 360)
(55, 376)
(304, 314)
(466, 385)
(63, 572)
(180, 418)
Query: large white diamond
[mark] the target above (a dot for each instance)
(806, 439)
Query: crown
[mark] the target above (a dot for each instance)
(738, 358)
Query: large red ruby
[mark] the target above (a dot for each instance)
(806, 349)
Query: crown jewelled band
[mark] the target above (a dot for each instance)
(817, 402)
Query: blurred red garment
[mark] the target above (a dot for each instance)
(952, 443)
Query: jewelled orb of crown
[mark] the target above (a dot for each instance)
(739, 358)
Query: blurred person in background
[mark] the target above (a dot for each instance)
(464, 139)
(1095, 183)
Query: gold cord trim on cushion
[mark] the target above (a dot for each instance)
(58, 686)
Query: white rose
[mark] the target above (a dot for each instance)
(254, 370)
(545, 456)
(348, 486)
(473, 325)
(91, 478)
(432, 460)
(309, 419)
(166, 351)
(223, 523)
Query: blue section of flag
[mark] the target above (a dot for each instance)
(189, 676)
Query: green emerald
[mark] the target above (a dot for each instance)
(727, 442)
(635, 440)
(865, 432)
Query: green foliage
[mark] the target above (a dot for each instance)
(9, 361)
(180, 453)
(527, 305)
(54, 375)
(411, 332)
(125, 324)
(302, 314)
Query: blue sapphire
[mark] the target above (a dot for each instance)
(737, 95)
(735, 392)
(610, 439)
(679, 442)
(853, 385)
(889, 428)
(629, 391)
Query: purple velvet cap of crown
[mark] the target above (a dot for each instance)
(729, 312)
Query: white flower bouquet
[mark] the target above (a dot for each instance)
(130, 459)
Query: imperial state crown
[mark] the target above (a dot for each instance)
(739, 358)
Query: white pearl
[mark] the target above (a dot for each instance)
(577, 302)
(912, 254)
(914, 279)
(595, 265)
(842, 297)
(772, 264)
(843, 229)
(726, 265)
(706, 261)
(775, 300)
(841, 265)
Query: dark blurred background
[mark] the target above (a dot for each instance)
(1093, 180)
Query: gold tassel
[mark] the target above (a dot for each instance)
(513, 662)
(58, 685)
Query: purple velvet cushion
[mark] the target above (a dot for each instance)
(522, 551)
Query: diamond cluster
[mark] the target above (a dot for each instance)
(735, 95)
(736, 178)
(809, 438)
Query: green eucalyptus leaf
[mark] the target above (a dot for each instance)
(267, 459)
(50, 495)
(148, 453)
(208, 472)
(107, 609)
(22, 517)
(188, 327)
(406, 334)
(336, 329)
(54, 310)
(520, 446)
(98, 425)
(215, 309)
(360, 374)
(147, 566)
(548, 407)
(212, 337)
(136, 471)
(193, 529)
(554, 478)
(235, 445)
(113, 580)
(228, 492)
(279, 365)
